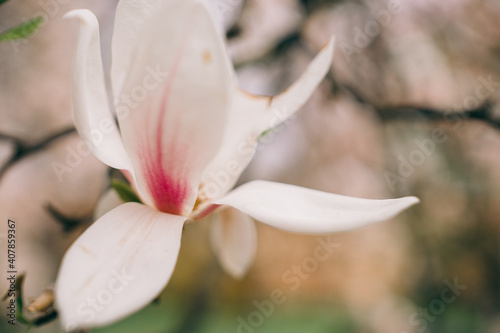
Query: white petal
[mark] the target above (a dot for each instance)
(303, 210)
(131, 20)
(178, 90)
(244, 126)
(93, 119)
(234, 240)
(117, 266)
(250, 116)
(288, 102)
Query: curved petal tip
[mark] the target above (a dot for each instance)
(304, 210)
(85, 16)
(330, 45)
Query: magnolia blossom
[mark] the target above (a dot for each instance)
(185, 134)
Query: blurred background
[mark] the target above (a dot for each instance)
(411, 107)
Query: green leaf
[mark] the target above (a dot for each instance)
(266, 132)
(19, 289)
(20, 302)
(21, 31)
(3, 1)
(125, 191)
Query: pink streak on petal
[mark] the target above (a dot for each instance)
(167, 178)
(168, 190)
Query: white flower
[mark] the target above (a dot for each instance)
(186, 133)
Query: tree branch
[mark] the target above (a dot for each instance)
(482, 113)
(68, 223)
(22, 149)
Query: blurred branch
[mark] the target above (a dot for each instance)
(22, 149)
(483, 113)
(68, 223)
(315, 5)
